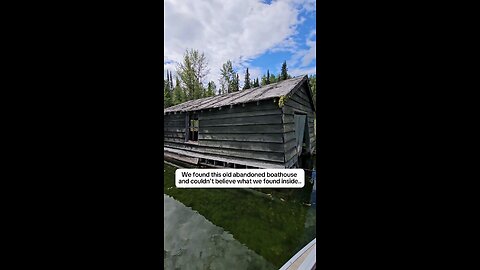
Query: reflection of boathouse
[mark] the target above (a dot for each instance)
(264, 127)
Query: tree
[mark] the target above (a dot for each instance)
(284, 74)
(273, 79)
(264, 80)
(178, 94)
(228, 80)
(237, 84)
(192, 72)
(256, 84)
(211, 89)
(167, 81)
(167, 94)
(171, 81)
(267, 81)
(246, 84)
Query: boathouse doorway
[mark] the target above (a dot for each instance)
(301, 135)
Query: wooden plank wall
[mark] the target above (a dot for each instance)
(250, 132)
(300, 102)
(174, 127)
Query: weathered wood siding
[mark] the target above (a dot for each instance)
(261, 133)
(298, 102)
(174, 127)
(253, 132)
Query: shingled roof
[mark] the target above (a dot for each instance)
(273, 90)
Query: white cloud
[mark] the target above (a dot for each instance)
(303, 71)
(303, 58)
(306, 5)
(237, 30)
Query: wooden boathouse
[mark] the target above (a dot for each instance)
(263, 127)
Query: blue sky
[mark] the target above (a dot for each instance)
(256, 34)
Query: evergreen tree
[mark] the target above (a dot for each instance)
(247, 85)
(284, 74)
(178, 94)
(237, 84)
(267, 81)
(264, 80)
(168, 80)
(273, 78)
(257, 84)
(171, 81)
(167, 95)
(211, 89)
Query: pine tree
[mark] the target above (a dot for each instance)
(284, 74)
(211, 89)
(168, 80)
(273, 78)
(246, 85)
(171, 81)
(178, 94)
(237, 84)
(264, 80)
(267, 81)
(167, 95)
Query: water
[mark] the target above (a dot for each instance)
(193, 242)
(234, 228)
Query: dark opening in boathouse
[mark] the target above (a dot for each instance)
(263, 127)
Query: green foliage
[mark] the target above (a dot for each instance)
(211, 89)
(284, 74)
(273, 78)
(228, 81)
(178, 93)
(255, 83)
(192, 71)
(264, 80)
(281, 101)
(167, 94)
(247, 84)
(237, 84)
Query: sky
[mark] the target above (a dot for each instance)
(256, 34)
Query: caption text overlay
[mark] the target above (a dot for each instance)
(239, 178)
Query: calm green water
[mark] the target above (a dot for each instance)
(234, 228)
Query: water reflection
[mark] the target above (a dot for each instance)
(193, 242)
(273, 223)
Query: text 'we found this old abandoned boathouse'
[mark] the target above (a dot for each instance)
(263, 127)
